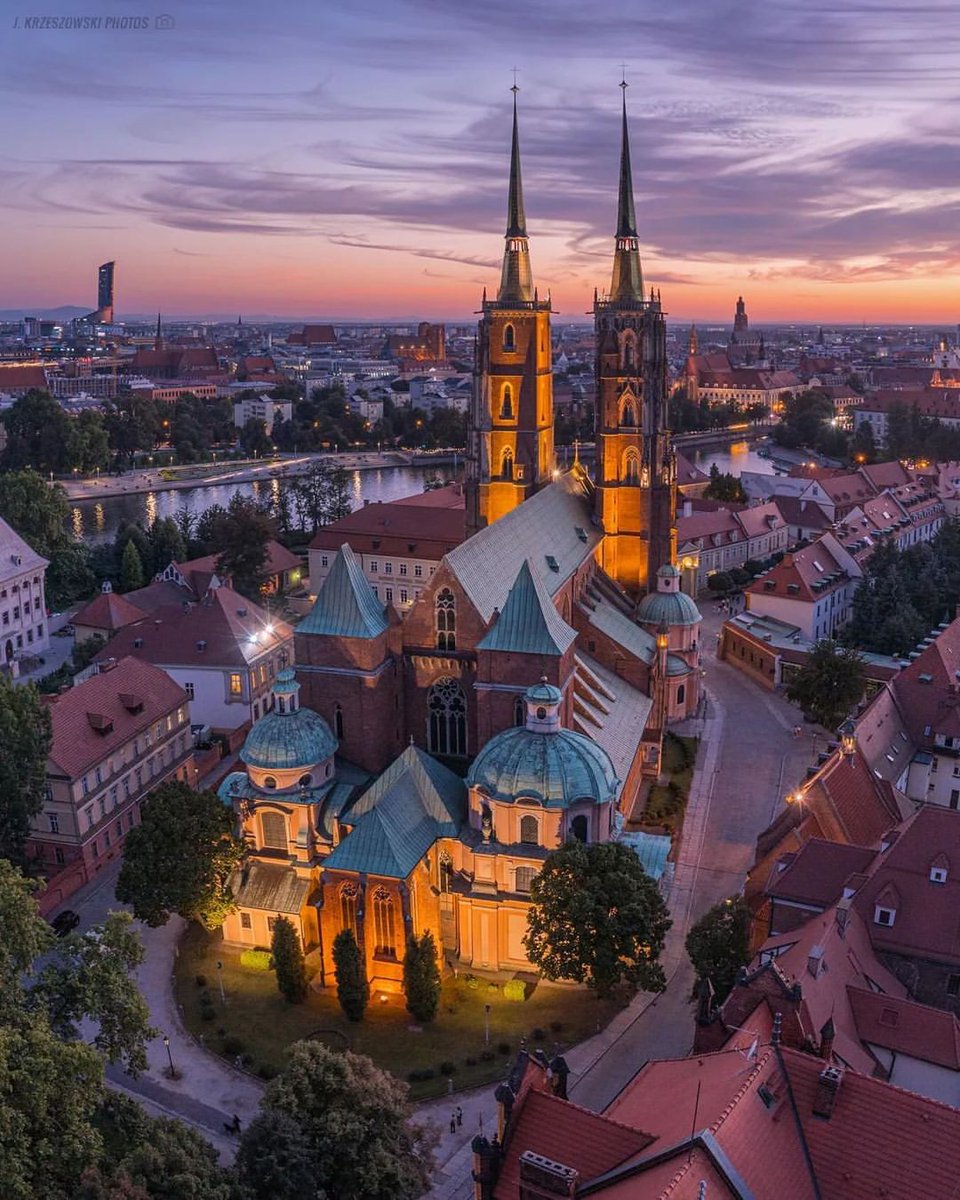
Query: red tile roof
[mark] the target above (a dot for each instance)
(905, 1027)
(109, 611)
(795, 575)
(926, 923)
(278, 560)
(76, 745)
(879, 1141)
(20, 377)
(817, 872)
(928, 690)
(419, 530)
(568, 1134)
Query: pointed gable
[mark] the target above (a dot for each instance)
(529, 623)
(345, 604)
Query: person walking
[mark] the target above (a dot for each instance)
(453, 1122)
(459, 1116)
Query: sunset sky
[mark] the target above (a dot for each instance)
(312, 159)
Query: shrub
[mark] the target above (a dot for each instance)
(516, 989)
(266, 1071)
(493, 987)
(447, 1068)
(234, 1045)
(720, 581)
(421, 1075)
(470, 1061)
(201, 981)
(556, 1026)
(421, 977)
(255, 960)
(503, 1047)
(288, 961)
(353, 991)
(207, 1013)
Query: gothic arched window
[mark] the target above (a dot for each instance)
(629, 416)
(519, 713)
(446, 620)
(509, 338)
(348, 907)
(447, 707)
(506, 403)
(273, 831)
(530, 830)
(631, 466)
(506, 468)
(384, 924)
(629, 352)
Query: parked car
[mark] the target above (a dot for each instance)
(65, 922)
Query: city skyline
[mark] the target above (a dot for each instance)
(355, 163)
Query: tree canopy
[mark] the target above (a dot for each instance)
(25, 738)
(338, 1120)
(597, 918)
(421, 977)
(242, 534)
(353, 990)
(288, 961)
(718, 944)
(180, 858)
(829, 683)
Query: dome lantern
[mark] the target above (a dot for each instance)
(543, 707)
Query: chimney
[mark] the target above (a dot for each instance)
(828, 1034)
(815, 961)
(541, 1178)
(828, 1086)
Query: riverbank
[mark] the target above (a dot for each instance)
(173, 479)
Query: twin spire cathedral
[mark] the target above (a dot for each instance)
(511, 452)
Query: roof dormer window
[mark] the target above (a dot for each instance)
(884, 916)
(938, 875)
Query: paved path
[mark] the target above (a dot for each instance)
(208, 1091)
(748, 760)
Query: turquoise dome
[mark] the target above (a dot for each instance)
(555, 767)
(670, 608)
(289, 736)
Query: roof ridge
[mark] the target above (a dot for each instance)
(874, 1080)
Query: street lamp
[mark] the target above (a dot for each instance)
(486, 1024)
(223, 998)
(174, 1073)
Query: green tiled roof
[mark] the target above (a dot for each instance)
(556, 768)
(345, 604)
(555, 522)
(286, 740)
(652, 850)
(529, 623)
(674, 608)
(400, 816)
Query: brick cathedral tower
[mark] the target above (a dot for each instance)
(510, 445)
(635, 497)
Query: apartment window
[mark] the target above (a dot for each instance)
(418, 571)
(388, 568)
(58, 856)
(884, 916)
(188, 688)
(130, 819)
(84, 786)
(955, 798)
(245, 922)
(324, 562)
(389, 593)
(404, 595)
(403, 568)
(106, 839)
(374, 566)
(54, 823)
(139, 775)
(114, 796)
(524, 878)
(271, 924)
(236, 685)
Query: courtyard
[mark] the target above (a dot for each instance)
(253, 1026)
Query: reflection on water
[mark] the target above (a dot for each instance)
(732, 459)
(98, 520)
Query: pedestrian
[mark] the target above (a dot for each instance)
(453, 1122)
(236, 1123)
(459, 1116)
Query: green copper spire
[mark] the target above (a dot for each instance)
(627, 282)
(516, 279)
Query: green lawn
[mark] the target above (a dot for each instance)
(258, 1023)
(667, 803)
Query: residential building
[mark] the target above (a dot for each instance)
(115, 737)
(941, 404)
(261, 408)
(729, 537)
(811, 588)
(24, 629)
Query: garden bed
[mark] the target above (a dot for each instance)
(667, 802)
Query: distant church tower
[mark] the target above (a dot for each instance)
(635, 496)
(510, 439)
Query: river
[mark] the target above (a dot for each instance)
(98, 520)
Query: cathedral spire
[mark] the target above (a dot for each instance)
(516, 279)
(627, 282)
(158, 338)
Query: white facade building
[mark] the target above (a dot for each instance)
(24, 628)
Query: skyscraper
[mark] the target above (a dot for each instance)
(103, 314)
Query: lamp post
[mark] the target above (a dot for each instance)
(486, 1024)
(223, 998)
(174, 1073)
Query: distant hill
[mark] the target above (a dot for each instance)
(68, 312)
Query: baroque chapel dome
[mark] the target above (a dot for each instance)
(288, 737)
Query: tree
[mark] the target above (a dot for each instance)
(829, 683)
(39, 512)
(167, 543)
(275, 1159)
(40, 434)
(52, 1090)
(353, 991)
(320, 495)
(358, 1136)
(421, 977)
(288, 961)
(180, 858)
(254, 438)
(597, 918)
(723, 486)
(25, 737)
(718, 944)
(131, 568)
(242, 536)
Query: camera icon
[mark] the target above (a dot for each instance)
(164, 21)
